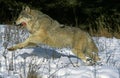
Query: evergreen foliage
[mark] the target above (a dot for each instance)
(80, 13)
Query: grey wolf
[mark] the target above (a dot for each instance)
(45, 30)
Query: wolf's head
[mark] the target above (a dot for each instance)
(25, 17)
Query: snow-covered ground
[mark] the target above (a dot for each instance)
(54, 63)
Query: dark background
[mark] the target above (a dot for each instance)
(86, 14)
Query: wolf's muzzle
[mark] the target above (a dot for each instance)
(21, 24)
(17, 24)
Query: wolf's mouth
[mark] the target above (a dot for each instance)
(21, 24)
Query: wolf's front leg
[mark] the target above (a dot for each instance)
(31, 41)
(18, 46)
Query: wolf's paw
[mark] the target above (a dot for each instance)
(11, 49)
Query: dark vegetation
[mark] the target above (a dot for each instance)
(98, 17)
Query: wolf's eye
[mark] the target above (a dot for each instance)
(25, 15)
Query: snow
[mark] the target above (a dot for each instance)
(54, 63)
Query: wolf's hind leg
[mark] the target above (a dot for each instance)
(80, 54)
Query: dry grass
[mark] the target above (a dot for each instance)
(33, 69)
(106, 26)
(104, 32)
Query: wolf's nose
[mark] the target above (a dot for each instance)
(14, 23)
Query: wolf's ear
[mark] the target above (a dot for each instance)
(27, 9)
